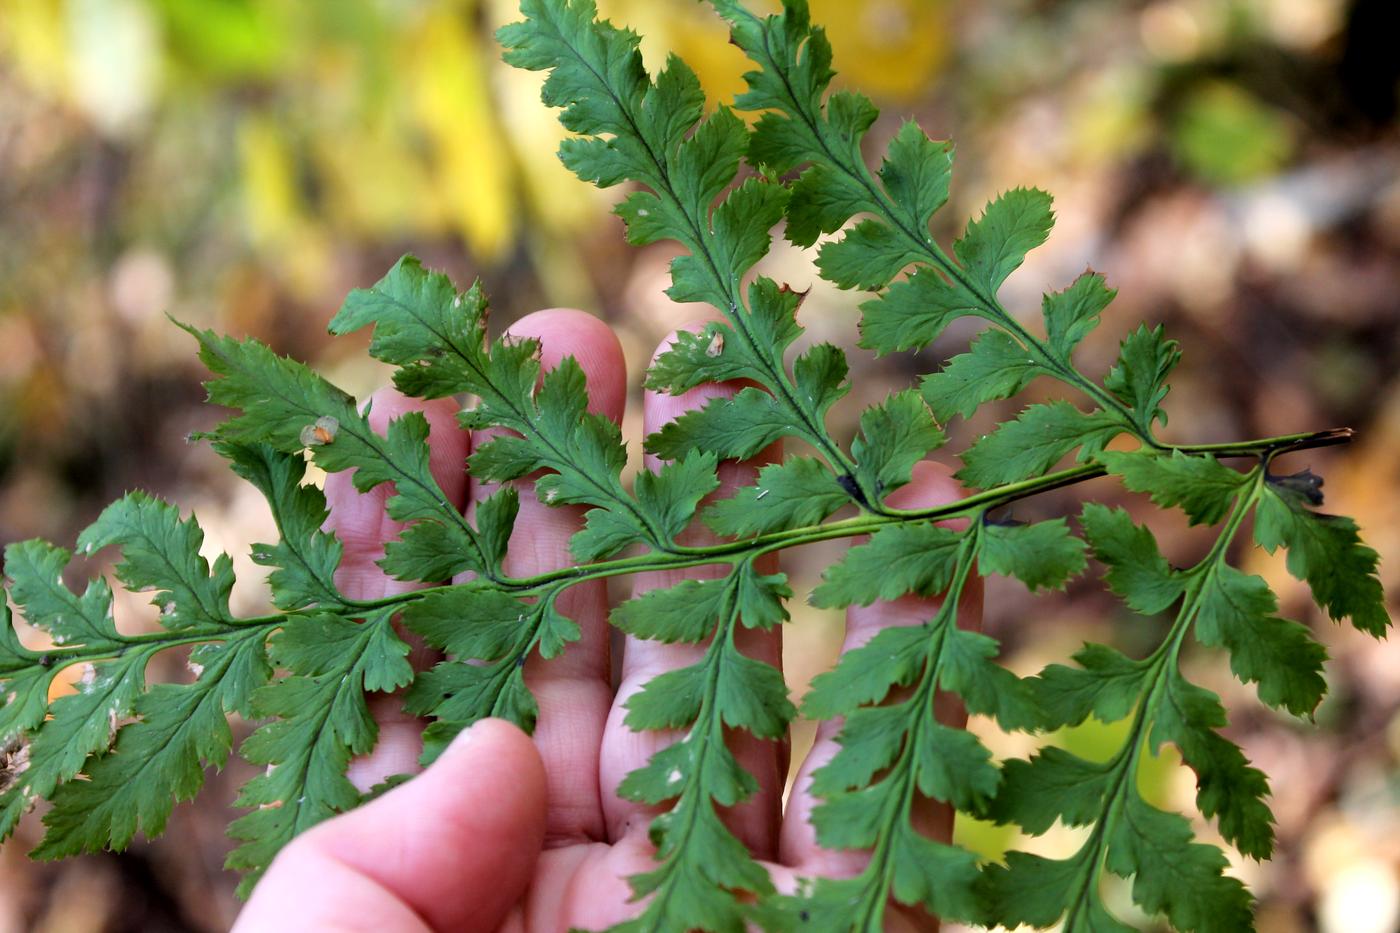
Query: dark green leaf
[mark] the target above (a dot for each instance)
(160, 552)
(1072, 313)
(1227, 788)
(319, 721)
(996, 244)
(898, 559)
(1106, 684)
(1037, 891)
(1041, 555)
(473, 621)
(1140, 376)
(1052, 785)
(914, 311)
(1327, 552)
(1202, 487)
(158, 760)
(686, 612)
(1238, 611)
(967, 668)
(867, 257)
(915, 174)
(799, 491)
(1173, 875)
(1137, 571)
(670, 496)
(1034, 442)
(35, 569)
(732, 429)
(895, 434)
(995, 367)
(894, 657)
(306, 557)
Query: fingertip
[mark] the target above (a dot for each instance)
(667, 342)
(498, 739)
(564, 332)
(505, 761)
(931, 485)
(661, 408)
(458, 843)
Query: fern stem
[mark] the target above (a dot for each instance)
(59, 656)
(692, 797)
(735, 551)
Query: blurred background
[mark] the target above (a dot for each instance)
(1233, 166)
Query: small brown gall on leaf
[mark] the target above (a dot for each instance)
(320, 433)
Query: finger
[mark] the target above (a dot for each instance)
(363, 527)
(755, 821)
(574, 689)
(932, 485)
(453, 849)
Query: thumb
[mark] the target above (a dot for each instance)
(454, 848)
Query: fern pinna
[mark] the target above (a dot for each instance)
(717, 185)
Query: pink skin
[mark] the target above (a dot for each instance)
(508, 833)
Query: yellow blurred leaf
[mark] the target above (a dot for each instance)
(890, 49)
(276, 219)
(34, 38)
(470, 172)
(374, 182)
(269, 189)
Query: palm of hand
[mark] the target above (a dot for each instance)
(503, 833)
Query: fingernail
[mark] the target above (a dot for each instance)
(463, 739)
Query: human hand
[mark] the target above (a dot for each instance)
(506, 832)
